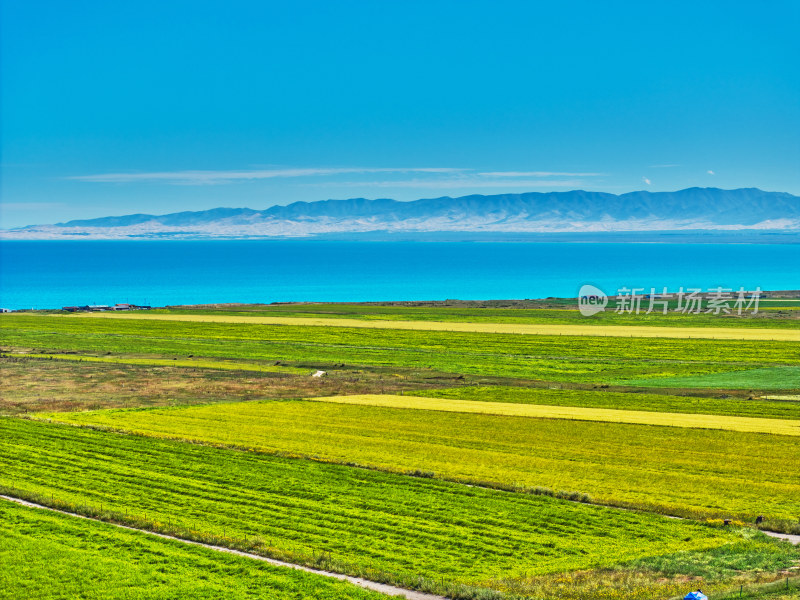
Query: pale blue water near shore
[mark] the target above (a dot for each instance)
(52, 274)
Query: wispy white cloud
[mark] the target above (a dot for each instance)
(218, 177)
(472, 177)
(537, 174)
(646, 180)
(457, 183)
(29, 205)
(710, 172)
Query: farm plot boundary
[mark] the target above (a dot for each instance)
(578, 413)
(718, 333)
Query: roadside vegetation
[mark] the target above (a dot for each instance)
(48, 555)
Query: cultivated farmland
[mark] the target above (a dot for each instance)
(651, 331)
(411, 531)
(726, 474)
(764, 408)
(776, 313)
(95, 560)
(363, 470)
(596, 360)
(577, 413)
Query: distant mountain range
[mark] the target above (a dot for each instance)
(564, 212)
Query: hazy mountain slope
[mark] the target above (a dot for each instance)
(693, 208)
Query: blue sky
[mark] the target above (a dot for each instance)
(112, 108)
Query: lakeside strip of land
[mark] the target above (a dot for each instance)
(639, 331)
(578, 413)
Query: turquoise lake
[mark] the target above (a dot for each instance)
(51, 274)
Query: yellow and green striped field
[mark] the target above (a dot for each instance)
(717, 333)
(465, 452)
(577, 413)
(677, 470)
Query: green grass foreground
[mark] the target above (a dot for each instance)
(414, 532)
(679, 471)
(49, 555)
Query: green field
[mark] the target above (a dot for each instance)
(690, 472)
(215, 431)
(741, 407)
(388, 526)
(574, 329)
(751, 379)
(532, 311)
(48, 555)
(556, 358)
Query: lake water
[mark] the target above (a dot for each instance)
(51, 274)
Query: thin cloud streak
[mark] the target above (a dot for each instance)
(469, 176)
(218, 177)
(537, 174)
(455, 183)
(29, 205)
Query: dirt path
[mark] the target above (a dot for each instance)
(795, 539)
(383, 588)
(716, 333)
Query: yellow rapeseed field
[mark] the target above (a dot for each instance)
(717, 333)
(696, 421)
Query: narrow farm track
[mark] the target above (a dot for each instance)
(383, 588)
(794, 539)
(715, 333)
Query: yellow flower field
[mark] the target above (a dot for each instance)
(717, 333)
(578, 413)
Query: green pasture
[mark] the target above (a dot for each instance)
(785, 377)
(689, 472)
(50, 555)
(413, 531)
(550, 358)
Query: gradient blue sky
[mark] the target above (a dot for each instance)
(112, 108)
